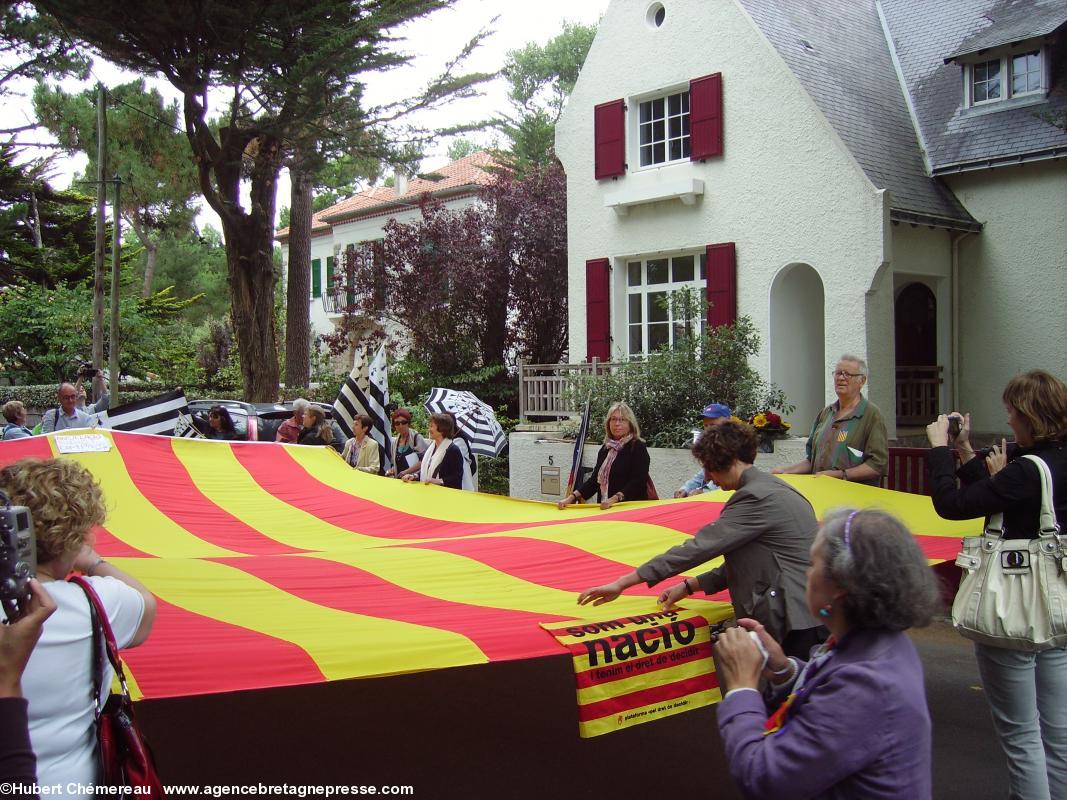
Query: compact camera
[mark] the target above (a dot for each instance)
(953, 427)
(18, 557)
(87, 370)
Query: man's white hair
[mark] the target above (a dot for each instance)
(856, 360)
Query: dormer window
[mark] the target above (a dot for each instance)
(1005, 77)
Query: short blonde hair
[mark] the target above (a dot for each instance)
(64, 499)
(624, 411)
(13, 409)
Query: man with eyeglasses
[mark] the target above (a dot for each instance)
(67, 414)
(848, 440)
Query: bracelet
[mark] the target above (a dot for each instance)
(789, 670)
(94, 565)
(688, 588)
(844, 474)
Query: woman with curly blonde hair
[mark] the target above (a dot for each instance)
(66, 503)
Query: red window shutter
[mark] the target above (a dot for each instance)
(705, 117)
(609, 132)
(721, 277)
(597, 309)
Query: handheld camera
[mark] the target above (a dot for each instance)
(953, 427)
(18, 557)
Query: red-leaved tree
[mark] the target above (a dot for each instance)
(470, 288)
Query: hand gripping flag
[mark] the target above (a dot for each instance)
(157, 414)
(366, 391)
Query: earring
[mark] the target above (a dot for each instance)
(826, 609)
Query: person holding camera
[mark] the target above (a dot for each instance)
(1025, 689)
(848, 720)
(66, 503)
(18, 765)
(67, 413)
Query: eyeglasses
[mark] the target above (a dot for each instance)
(619, 419)
(840, 373)
(401, 422)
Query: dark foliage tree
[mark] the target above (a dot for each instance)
(284, 63)
(471, 287)
(47, 237)
(145, 148)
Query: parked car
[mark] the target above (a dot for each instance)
(258, 421)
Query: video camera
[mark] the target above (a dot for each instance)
(18, 557)
(87, 370)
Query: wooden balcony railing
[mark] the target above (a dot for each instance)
(918, 394)
(543, 388)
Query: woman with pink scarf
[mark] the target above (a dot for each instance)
(621, 471)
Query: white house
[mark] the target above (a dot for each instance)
(868, 176)
(361, 219)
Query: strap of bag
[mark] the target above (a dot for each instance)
(102, 625)
(1048, 524)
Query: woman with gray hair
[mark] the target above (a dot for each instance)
(848, 439)
(851, 721)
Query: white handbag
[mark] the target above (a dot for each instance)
(1014, 591)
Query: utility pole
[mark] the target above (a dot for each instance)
(116, 255)
(101, 234)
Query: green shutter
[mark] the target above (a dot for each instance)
(316, 277)
(329, 275)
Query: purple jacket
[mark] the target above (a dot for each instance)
(859, 729)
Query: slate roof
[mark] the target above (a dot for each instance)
(926, 33)
(838, 51)
(466, 174)
(1013, 22)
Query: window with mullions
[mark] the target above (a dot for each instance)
(986, 82)
(1026, 73)
(663, 128)
(652, 320)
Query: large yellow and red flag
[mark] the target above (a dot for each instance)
(279, 565)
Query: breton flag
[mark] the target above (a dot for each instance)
(366, 391)
(157, 414)
(575, 477)
(186, 428)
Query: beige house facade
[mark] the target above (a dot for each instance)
(878, 178)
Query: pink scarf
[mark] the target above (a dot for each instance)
(614, 446)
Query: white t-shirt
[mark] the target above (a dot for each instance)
(58, 680)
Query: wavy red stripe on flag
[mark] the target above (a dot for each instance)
(164, 481)
(499, 633)
(551, 564)
(270, 466)
(109, 545)
(601, 675)
(188, 654)
(646, 697)
(14, 449)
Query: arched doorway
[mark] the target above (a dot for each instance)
(916, 326)
(915, 334)
(798, 341)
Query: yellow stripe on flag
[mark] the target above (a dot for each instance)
(225, 482)
(342, 644)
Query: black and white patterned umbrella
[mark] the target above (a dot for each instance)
(475, 419)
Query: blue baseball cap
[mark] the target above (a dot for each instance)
(716, 411)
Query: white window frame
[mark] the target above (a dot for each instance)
(644, 290)
(634, 126)
(1006, 60)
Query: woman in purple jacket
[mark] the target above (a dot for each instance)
(852, 721)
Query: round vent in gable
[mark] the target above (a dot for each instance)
(655, 15)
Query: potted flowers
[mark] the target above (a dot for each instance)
(769, 426)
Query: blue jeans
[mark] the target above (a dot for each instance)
(1027, 695)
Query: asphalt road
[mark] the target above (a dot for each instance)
(968, 761)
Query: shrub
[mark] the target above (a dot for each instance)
(668, 389)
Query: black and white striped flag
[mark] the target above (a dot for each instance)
(367, 392)
(154, 415)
